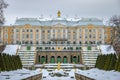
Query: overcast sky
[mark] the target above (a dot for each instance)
(70, 8)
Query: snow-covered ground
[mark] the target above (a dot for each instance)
(100, 74)
(18, 74)
(92, 73)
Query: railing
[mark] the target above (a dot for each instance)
(61, 44)
(35, 77)
(82, 77)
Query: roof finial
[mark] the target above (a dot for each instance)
(59, 13)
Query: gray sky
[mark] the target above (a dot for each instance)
(81, 8)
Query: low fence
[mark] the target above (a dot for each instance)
(35, 77)
(82, 77)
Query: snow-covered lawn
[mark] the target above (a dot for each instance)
(100, 74)
(18, 74)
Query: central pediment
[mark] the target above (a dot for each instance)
(59, 25)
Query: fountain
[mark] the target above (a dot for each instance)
(59, 72)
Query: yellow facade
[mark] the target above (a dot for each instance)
(71, 33)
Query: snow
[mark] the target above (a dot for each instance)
(100, 74)
(59, 71)
(106, 49)
(94, 73)
(45, 73)
(11, 49)
(71, 73)
(18, 74)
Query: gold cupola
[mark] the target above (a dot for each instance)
(59, 13)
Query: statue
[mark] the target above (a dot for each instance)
(58, 65)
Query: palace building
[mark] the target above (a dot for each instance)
(57, 39)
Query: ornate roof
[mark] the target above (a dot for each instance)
(58, 20)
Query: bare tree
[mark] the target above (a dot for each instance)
(2, 6)
(115, 24)
(2, 19)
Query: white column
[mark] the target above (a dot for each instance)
(40, 32)
(77, 34)
(103, 36)
(20, 35)
(14, 39)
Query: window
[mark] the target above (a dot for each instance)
(64, 36)
(27, 36)
(100, 30)
(59, 36)
(5, 30)
(12, 36)
(23, 30)
(48, 31)
(37, 30)
(28, 48)
(31, 42)
(31, 30)
(105, 35)
(53, 30)
(90, 30)
(37, 42)
(48, 36)
(12, 30)
(69, 31)
(23, 42)
(27, 30)
(80, 30)
(31, 35)
(100, 36)
(74, 31)
(74, 36)
(74, 42)
(94, 30)
(80, 42)
(37, 36)
(52, 48)
(94, 36)
(86, 42)
(53, 35)
(86, 30)
(23, 36)
(90, 36)
(17, 36)
(89, 47)
(17, 30)
(85, 35)
(17, 42)
(58, 30)
(43, 42)
(69, 36)
(43, 31)
(63, 31)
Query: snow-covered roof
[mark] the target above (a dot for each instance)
(106, 49)
(11, 49)
(54, 21)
